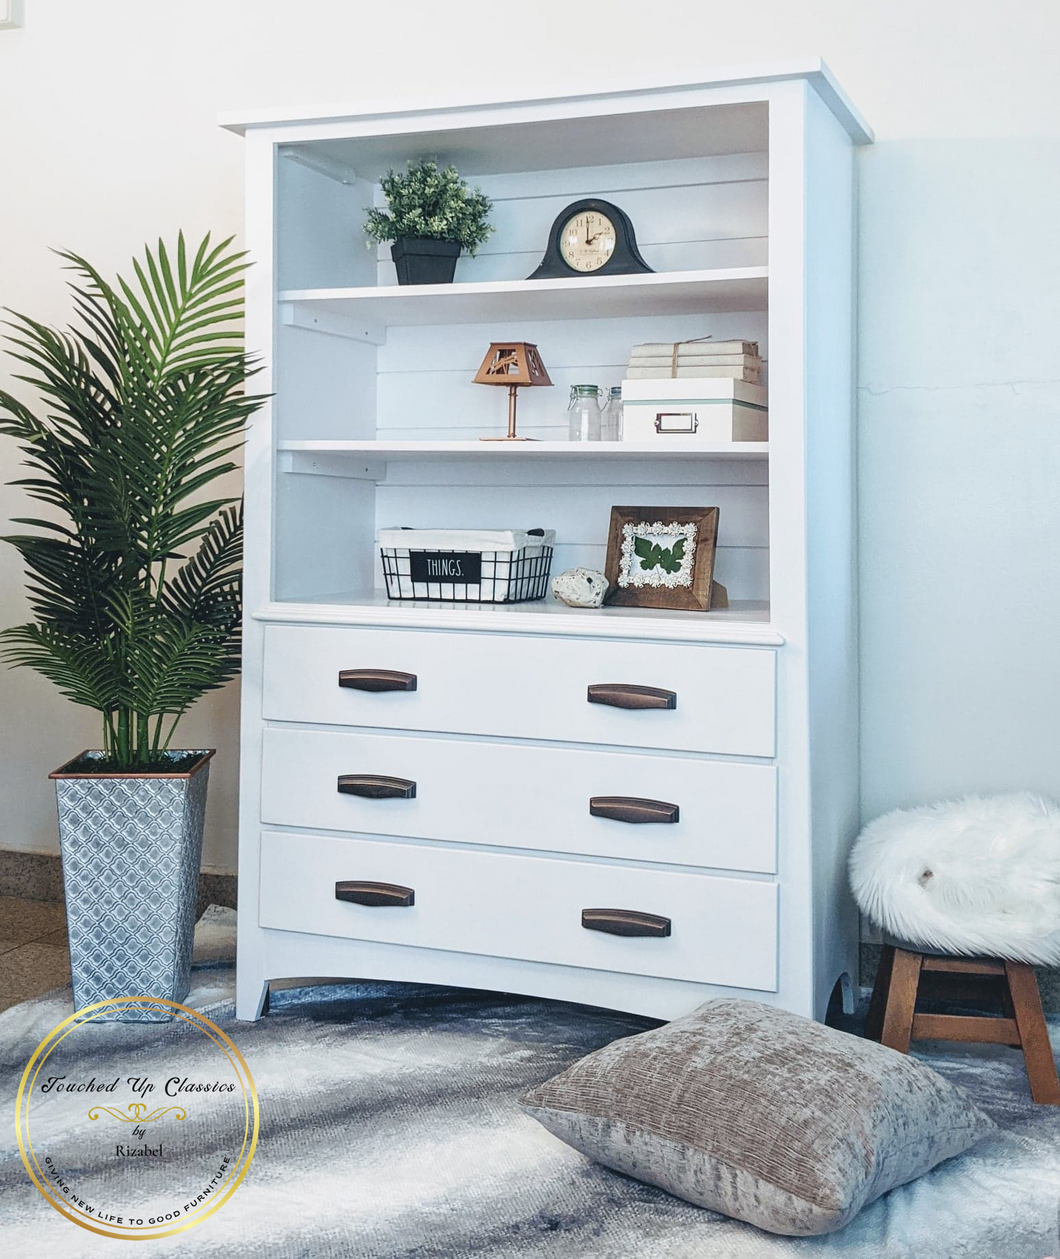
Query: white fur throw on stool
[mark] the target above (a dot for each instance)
(978, 875)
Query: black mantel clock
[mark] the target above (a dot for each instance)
(591, 237)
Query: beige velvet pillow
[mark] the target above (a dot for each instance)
(760, 1114)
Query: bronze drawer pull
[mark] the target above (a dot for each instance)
(377, 895)
(626, 695)
(377, 680)
(633, 809)
(377, 786)
(625, 922)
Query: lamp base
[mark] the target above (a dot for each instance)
(507, 439)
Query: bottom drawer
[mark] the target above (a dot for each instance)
(721, 930)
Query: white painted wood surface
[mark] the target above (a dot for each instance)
(728, 809)
(741, 190)
(831, 459)
(744, 623)
(723, 929)
(525, 688)
(746, 82)
(494, 454)
(601, 296)
(258, 561)
(426, 388)
(688, 214)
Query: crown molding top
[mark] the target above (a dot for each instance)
(812, 70)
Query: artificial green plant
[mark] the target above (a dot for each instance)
(135, 568)
(431, 204)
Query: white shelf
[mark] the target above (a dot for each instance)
(741, 623)
(323, 456)
(588, 297)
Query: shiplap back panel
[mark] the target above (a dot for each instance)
(579, 514)
(743, 571)
(563, 342)
(425, 387)
(580, 510)
(687, 213)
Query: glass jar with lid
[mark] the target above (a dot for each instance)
(611, 420)
(583, 413)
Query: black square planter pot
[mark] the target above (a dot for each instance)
(422, 261)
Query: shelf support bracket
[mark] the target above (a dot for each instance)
(302, 315)
(352, 468)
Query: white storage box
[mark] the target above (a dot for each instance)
(467, 565)
(705, 409)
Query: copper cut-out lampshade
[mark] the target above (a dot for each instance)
(516, 364)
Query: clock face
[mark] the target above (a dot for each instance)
(587, 241)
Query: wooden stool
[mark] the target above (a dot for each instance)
(893, 1019)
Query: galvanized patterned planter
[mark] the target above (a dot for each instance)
(131, 846)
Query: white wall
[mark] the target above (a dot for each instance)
(107, 138)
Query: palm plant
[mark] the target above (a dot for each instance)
(135, 576)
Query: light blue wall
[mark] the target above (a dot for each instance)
(959, 468)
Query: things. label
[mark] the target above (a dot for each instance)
(443, 566)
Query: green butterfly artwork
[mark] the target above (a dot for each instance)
(652, 555)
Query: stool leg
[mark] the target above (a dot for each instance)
(880, 988)
(901, 1000)
(1030, 1019)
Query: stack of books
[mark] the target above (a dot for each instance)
(661, 360)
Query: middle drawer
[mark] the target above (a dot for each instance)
(721, 814)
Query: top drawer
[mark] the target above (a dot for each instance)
(527, 687)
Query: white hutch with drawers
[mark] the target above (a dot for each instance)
(500, 859)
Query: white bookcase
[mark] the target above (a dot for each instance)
(741, 190)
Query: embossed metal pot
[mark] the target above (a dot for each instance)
(131, 846)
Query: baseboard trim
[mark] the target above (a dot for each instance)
(38, 876)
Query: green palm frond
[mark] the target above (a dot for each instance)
(78, 667)
(134, 575)
(179, 318)
(207, 587)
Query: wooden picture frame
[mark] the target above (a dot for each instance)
(641, 577)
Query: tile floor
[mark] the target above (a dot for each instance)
(33, 957)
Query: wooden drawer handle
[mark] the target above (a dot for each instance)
(377, 680)
(377, 787)
(626, 695)
(633, 809)
(625, 922)
(377, 895)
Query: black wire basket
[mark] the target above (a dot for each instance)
(467, 574)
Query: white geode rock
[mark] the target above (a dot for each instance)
(580, 588)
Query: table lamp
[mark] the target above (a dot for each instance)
(515, 364)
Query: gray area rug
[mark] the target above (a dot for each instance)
(390, 1130)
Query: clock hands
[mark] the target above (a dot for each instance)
(596, 235)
